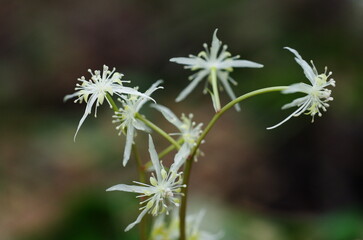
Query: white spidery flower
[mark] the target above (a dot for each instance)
(193, 228)
(164, 190)
(163, 231)
(127, 121)
(166, 230)
(189, 130)
(95, 90)
(218, 59)
(318, 95)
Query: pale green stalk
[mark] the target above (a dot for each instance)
(215, 96)
(189, 161)
(169, 149)
(158, 130)
(114, 106)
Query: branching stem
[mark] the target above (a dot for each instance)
(189, 161)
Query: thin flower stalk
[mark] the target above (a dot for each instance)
(158, 130)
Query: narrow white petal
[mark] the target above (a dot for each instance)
(154, 158)
(214, 46)
(298, 87)
(180, 157)
(153, 87)
(148, 92)
(141, 215)
(168, 114)
(121, 90)
(128, 144)
(185, 61)
(69, 96)
(128, 188)
(308, 71)
(192, 85)
(140, 126)
(301, 109)
(296, 102)
(245, 63)
(223, 77)
(198, 220)
(86, 112)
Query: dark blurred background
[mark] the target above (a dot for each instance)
(299, 181)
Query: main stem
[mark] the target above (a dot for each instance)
(189, 161)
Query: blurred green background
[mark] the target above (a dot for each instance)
(299, 181)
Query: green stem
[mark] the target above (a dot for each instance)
(169, 149)
(189, 161)
(113, 104)
(215, 96)
(158, 130)
(142, 178)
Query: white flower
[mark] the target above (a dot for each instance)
(128, 122)
(189, 130)
(162, 194)
(318, 95)
(193, 228)
(96, 89)
(216, 58)
(163, 231)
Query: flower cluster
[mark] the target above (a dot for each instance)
(164, 189)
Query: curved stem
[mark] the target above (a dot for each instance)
(189, 161)
(157, 129)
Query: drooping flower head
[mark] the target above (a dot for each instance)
(214, 58)
(95, 90)
(189, 130)
(164, 190)
(318, 95)
(126, 120)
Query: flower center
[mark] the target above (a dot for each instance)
(321, 80)
(166, 192)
